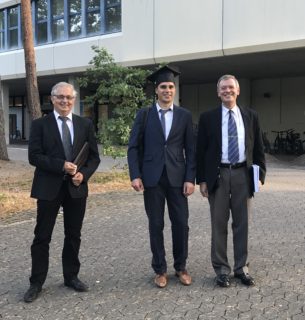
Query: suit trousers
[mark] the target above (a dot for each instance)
(74, 211)
(231, 194)
(154, 201)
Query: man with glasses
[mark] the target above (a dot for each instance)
(161, 160)
(55, 141)
(229, 143)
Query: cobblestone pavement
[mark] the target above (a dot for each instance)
(116, 257)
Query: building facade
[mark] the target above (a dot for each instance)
(261, 42)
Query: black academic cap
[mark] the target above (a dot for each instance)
(164, 74)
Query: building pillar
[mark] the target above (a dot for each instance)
(5, 105)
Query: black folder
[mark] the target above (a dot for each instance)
(82, 156)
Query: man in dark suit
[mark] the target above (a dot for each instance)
(229, 143)
(161, 160)
(55, 141)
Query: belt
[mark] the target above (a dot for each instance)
(233, 166)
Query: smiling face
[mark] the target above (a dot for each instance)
(228, 91)
(166, 93)
(63, 99)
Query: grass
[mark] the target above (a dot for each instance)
(15, 190)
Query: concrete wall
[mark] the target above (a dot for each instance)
(154, 31)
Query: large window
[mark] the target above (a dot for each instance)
(41, 21)
(2, 30)
(13, 26)
(61, 20)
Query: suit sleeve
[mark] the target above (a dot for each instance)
(258, 150)
(93, 157)
(201, 147)
(134, 148)
(189, 147)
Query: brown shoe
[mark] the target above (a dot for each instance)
(161, 280)
(184, 277)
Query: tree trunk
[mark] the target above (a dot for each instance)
(33, 102)
(3, 147)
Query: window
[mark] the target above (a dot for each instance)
(93, 16)
(58, 22)
(61, 20)
(75, 18)
(2, 30)
(41, 21)
(113, 15)
(13, 24)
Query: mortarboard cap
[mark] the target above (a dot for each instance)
(164, 74)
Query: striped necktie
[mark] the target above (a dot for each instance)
(233, 152)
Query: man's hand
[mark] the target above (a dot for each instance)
(137, 184)
(70, 168)
(77, 179)
(204, 189)
(188, 188)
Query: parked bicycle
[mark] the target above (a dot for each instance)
(288, 142)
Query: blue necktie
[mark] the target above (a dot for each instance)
(66, 138)
(233, 152)
(163, 120)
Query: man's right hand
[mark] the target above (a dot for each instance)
(70, 168)
(204, 189)
(137, 184)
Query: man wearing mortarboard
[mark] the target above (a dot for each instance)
(161, 159)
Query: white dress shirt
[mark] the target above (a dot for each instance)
(240, 132)
(168, 118)
(69, 123)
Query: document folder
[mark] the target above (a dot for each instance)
(82, 156)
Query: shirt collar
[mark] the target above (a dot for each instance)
(226, 110)
(56, 114)
(159, 108)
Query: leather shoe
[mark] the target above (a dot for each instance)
(32, 293)
(246, 279)
(76, 284)
(184, 277)
(223, 280)
(161, 280)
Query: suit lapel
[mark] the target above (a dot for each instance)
(77, 129)
(54, 132)
(218, 126)
(246, 121)
(156, 120)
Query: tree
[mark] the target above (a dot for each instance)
(122, 90)
(33, 102)
(3, 148)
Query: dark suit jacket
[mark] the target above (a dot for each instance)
(177, 153)
(46, 153)
(209, 145)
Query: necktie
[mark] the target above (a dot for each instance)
(233, 152)
(66, 138)
(163, 112)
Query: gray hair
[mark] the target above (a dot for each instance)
(227, 77)
(62, 84)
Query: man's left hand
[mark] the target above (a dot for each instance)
(188, 188)
(77, 179)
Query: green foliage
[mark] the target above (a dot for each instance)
(122, 89)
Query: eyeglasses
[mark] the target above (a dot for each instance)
(62, 97)
(164, 86)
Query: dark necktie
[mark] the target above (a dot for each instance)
(162, 111)
(233, 152)
(66, 138)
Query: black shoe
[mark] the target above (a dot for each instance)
(76, 284)
(223, 280)
(246, 279)
(32, 293)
